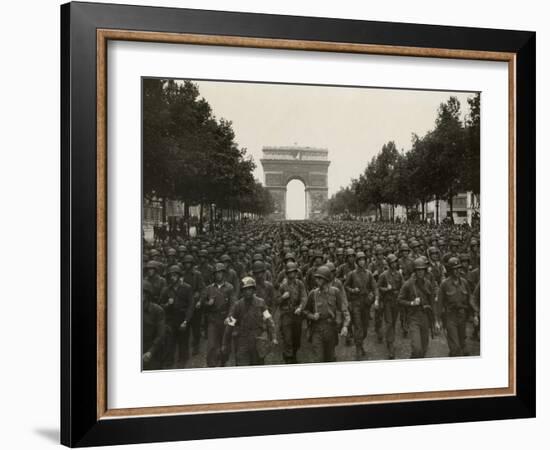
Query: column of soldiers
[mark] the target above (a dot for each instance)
(238, 293)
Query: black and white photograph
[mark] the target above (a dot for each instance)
(297, 223)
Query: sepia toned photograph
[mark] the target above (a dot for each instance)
(296, 224)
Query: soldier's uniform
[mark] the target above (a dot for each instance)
(327, 302)
(389, 285)
(290, 324)
(194, 278)
(153, 335)
(178, 311)
(419, 317)
(361, 302)
(454, 297)
(248, 323)
(377, 267)
(216, 302)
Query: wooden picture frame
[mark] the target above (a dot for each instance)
(85, 417)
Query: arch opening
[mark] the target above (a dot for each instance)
(296, 200)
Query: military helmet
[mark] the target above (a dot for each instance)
(146, 286)
(188, 259)
(291, 267)
(323, 272)
(289, 255)
(391, 258)
(473, 242)
(203, 252)
(331, 266)
(257, 257)
(258, 266)
(171, 252)
(151, 265)
(420, 263)
(339, 251)
(378, 249)
(414, 244)
(248, 282)
(225, 258)
(404, 247)
(174, 269)
(350, 252)
(361, 255)
(182, 249)
(219, 267)
(453, 263)
(432, 250)
(464, 257)
(154, 252)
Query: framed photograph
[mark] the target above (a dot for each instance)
(277, 224)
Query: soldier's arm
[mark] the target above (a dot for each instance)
(159, 335)
(383, 283)
(374, 287)
(302, 294)
(268, 319)
(474, 299)
(190, 305)
(342, 303)
(348, 284)
(403, 297)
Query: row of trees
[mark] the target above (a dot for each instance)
(440, 164)
(191, 156)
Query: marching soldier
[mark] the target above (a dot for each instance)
(153, 329)
(194, 278)
(216, 302)
(292, 295)
(264, 289)
(389, 285)
(177, 301)
(322, 307)
(348, 266)
(362, 293)
(153, 277)
(377, 267)
(251, 326)
(456, 301)
(417, 295)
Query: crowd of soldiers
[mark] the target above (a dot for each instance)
(242, 291)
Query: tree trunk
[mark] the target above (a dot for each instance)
(163, 209)
(186, 217)
(380, 210)
(451, 207)
(423, 210)
(437, 211)
(210, 217)
(200, 219)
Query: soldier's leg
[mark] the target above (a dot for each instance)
(357, 321)
(242, 354)
(183, 347)
(452, 334)
(170, 350)
(425, 333)
(378, 324)
(414, 325)
(365, 319)
(389, 319)
(286, 332)
(196, 330)
(296, 336)
(316, 344)
(330, 340)
(461, 329)
(404, 319)
(213, 345)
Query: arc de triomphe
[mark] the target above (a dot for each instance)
(307, 164)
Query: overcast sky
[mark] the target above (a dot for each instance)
(352, 123)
